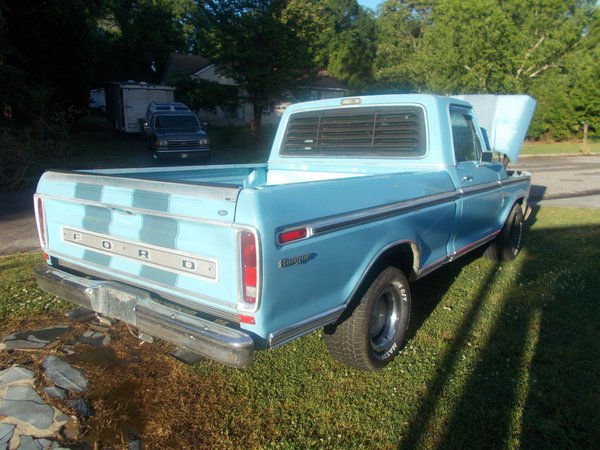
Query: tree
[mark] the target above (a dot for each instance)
(203, 94)
(346, 46)
(257, 45)
(135, 37)
(548, 49)
(401, 27)
(47, 52)
(491, 46)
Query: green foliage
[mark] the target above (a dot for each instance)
(347, 44)
(135, 38)
(203, 94)
(547, 49)
(401, 26)
(51, 54)
(48, 52)
(555, 117)
(250, 42)
(20, 298)
(28, 150)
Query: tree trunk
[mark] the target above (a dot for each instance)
(256, 120)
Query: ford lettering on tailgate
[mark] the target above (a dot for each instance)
(167, 259)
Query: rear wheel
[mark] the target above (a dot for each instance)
(507, 245)
(371, 337)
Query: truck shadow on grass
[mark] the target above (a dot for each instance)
(534, 385)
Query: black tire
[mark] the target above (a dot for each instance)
(507, 245)
(372, 335)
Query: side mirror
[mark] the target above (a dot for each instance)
(487, 157)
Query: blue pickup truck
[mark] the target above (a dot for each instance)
(360, 196)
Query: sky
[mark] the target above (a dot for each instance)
(370, 3)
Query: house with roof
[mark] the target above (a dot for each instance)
(195, 66)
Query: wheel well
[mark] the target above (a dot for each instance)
(404, 256)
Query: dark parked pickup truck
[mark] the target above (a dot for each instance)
(174, 131)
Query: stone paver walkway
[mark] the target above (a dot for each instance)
(27, 421)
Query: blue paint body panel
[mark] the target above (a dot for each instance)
(176, 231)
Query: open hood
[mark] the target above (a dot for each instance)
(505, 118)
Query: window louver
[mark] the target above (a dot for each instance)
(393, 131)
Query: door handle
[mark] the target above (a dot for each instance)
(467, 178)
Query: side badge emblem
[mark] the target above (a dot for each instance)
(301, 259)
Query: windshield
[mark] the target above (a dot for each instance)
(176, 122)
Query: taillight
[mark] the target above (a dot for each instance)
(41, 222)
(249, 262)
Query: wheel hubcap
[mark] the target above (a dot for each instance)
(384, 319)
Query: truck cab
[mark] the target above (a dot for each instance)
(173, 131)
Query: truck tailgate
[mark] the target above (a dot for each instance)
(174, 239)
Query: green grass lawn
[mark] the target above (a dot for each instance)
(558, 148)
(500, 356)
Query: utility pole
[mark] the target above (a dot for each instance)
(586, 148)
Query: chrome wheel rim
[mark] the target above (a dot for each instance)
(384, 319)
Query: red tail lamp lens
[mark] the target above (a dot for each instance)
(249, 267)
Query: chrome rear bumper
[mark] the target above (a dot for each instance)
(135, 307)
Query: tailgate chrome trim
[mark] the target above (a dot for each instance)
(173, 260)
(134, 306)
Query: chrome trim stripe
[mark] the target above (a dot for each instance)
(187, 188)
(463, 251)
(204, 268)
(134, 210)
(480, 188)
(473, 245)
(515, 179)
(341, 221)
(160, 288)
(296, 330)
(431, 267)
(328, 225)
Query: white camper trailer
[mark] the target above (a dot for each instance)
(126, 102)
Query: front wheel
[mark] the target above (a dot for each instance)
(372, 336)
(507, 245)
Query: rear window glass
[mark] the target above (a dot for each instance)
(364, 131)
